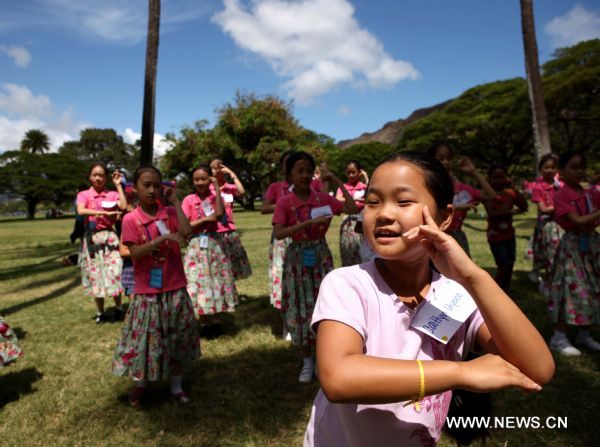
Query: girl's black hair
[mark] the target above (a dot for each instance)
(297, 156)
(545, 159)
(433, 149)
(565, 158)
(147, 168)
(284, 155)
(96, 164)
(437, 179)
(355, 163)
(204, 166)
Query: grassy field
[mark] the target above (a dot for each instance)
(244, 388)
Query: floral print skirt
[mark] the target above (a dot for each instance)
(159, 331)
(462, 240)
(575, 280)
(101, 264)
(546, 238)
(301, 286)
(235, 251)
(211, 283)
(127, 276)
(350, 241)
(9, 344)
(276, 254)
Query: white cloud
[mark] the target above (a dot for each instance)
(344, 110)
(21, 110)
(577, 25)
(161, 146)
(20, 55)
(122, 21)
(316, 44)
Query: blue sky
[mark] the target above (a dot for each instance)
(349, 66)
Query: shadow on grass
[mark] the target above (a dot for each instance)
(250, 313)
(16, 383)
(38, 251)
(49, 296)
(69, 273)
(251, 395)
(31, 269)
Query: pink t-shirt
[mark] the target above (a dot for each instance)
(359, 297)
(99, 201)
(463, 194)
(357, 192)
(567, 200)
(277, 190)
(194, 208)
(138, 229)
(543, 192)
(289, 211)
(228, 192)
(500, 228)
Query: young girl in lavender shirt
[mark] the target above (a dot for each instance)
(388, 357)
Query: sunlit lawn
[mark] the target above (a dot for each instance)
(244, 388)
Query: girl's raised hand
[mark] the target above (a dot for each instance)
(491, 372)
(445, 253)
(116, 178)
(466, 165)
(169, 194)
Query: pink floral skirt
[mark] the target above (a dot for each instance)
(101, 265)
(9, 344)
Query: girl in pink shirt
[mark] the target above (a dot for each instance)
(392, 333)
(465, 196)
(304, 215)
(227, 232)
(100, 260)
(547, 233)
(209, 271)
(160, 333)
(575, 279)
(350, 240)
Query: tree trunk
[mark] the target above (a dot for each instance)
(31, 206)
(147, 148)
(541, 133)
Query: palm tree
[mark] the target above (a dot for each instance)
(541, 134)
(35, 141)
(147, 144)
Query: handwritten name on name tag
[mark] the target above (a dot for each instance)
(321, 211)
(447, 308)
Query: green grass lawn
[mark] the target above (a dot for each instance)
(244, 388)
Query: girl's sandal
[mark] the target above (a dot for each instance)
(181, 397)
(135, 396)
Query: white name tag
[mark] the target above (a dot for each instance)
(358, 194)
(321, 211)
(207, 208)
(227, 198)
(462, 198)
(204, 241)
(108, 204)
(444, 312)
(162, 228)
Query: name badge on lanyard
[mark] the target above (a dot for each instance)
(204, 241)
(207, 208)
(156, 277)
(309, 257)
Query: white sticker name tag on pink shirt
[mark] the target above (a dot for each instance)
(358, 194)
(319, 211)
(162, 228)
(108, 204)
(207, 208)
(462, 198)
(227, 198)
(447, 307)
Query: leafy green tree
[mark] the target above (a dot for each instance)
(572, 89)
(35, 141)
(40, 178)
(103, 145)
(489, 123)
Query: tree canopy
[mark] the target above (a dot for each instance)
(35, 141)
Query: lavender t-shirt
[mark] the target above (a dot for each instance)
(359, 297)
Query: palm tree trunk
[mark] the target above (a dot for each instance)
(147, 148)
(541, 133)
